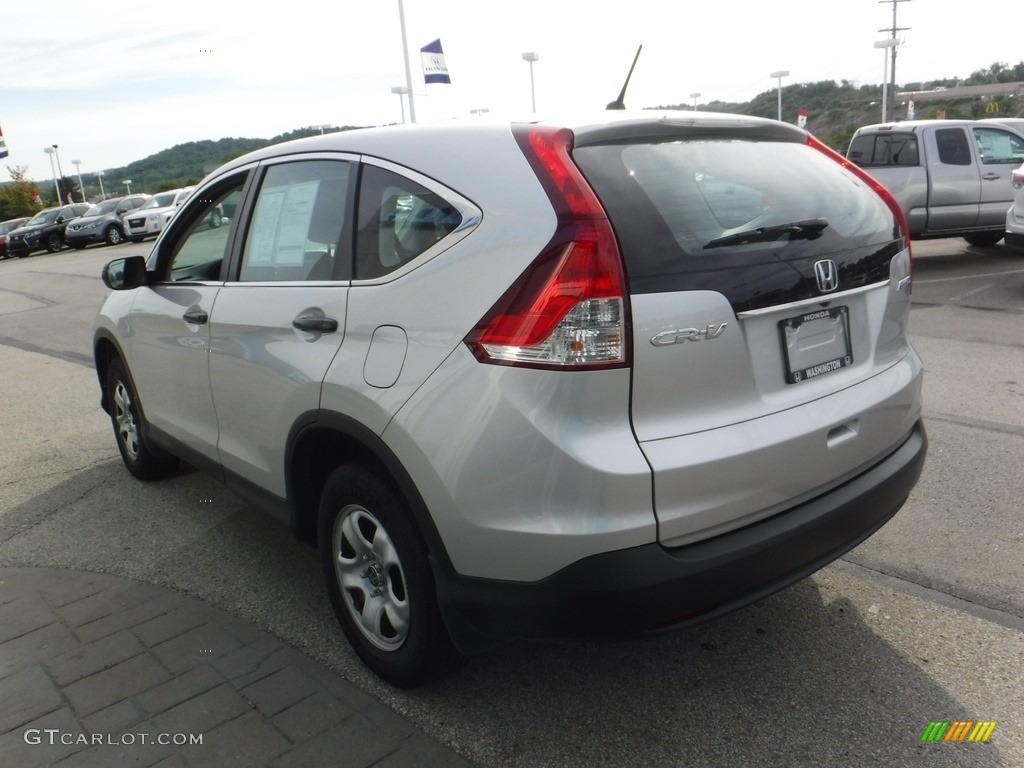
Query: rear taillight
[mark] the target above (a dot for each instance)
(1017, 178)
(885, 194)
(569, 310)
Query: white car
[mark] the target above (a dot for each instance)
(1014, 237)
(152, 217)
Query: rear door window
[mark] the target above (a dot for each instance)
(297, 222)
(953, 146)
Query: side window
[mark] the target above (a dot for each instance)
(199, 248)
(297, 222)
(997, 146)
(953, 146)
(398, 220)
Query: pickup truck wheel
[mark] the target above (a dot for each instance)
(984, 239)
(379, 581)
(129, 431)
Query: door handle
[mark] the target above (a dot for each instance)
(991, 176)
(314, 324)
(196, 316)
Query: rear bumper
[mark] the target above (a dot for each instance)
(650, 589)
(1014, 240)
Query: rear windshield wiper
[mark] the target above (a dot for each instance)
(807, 228)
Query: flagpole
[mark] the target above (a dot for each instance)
(408, 71)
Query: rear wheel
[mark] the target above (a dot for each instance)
(984, 239)
(126, 419)
(379, 581)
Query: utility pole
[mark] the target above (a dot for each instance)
(892, 68)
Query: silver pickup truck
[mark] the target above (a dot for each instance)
(952, 177)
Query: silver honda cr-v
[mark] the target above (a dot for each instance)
(585, 378)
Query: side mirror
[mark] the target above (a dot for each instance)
(125, 274)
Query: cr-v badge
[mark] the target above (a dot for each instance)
(679, 335)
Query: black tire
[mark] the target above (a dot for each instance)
(78, 246)
(216, 219)
(54, 243)
(129, 428)
(113, 235)
(984, 239)
(379, 580)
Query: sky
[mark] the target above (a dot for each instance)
(113, 84)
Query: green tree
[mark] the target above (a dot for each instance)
(20, 198)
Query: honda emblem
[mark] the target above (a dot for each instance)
(827, 274)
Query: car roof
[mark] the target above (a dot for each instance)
(404, 144)
(914, 125)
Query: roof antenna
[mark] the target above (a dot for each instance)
(620, 102)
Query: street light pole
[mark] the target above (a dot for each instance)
(56, 184)
(779, 75)
(59, 169)
(885, 45)
(408, 71)
(531, 57)
(103, 194)
(128, 183)
(695, 95)
(78, 170)
(401, 90)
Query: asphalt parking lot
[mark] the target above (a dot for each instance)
(923, 622)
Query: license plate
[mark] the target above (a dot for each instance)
(816, 343)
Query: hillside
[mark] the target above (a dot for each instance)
(188, 163)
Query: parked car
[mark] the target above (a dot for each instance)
(5, 228)
(1016, 123)
(1014, 236)
(604, 377)
(951, 177)
(102, 223)
(152, 217)
(44, 231)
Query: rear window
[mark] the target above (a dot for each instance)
(695, 205)
(882, 150)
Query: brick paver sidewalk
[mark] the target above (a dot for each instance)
(97, 670)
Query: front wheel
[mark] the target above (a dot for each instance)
(984, 239)
(53, 243)
(379, 581)
(113, 236)
(129, 431)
